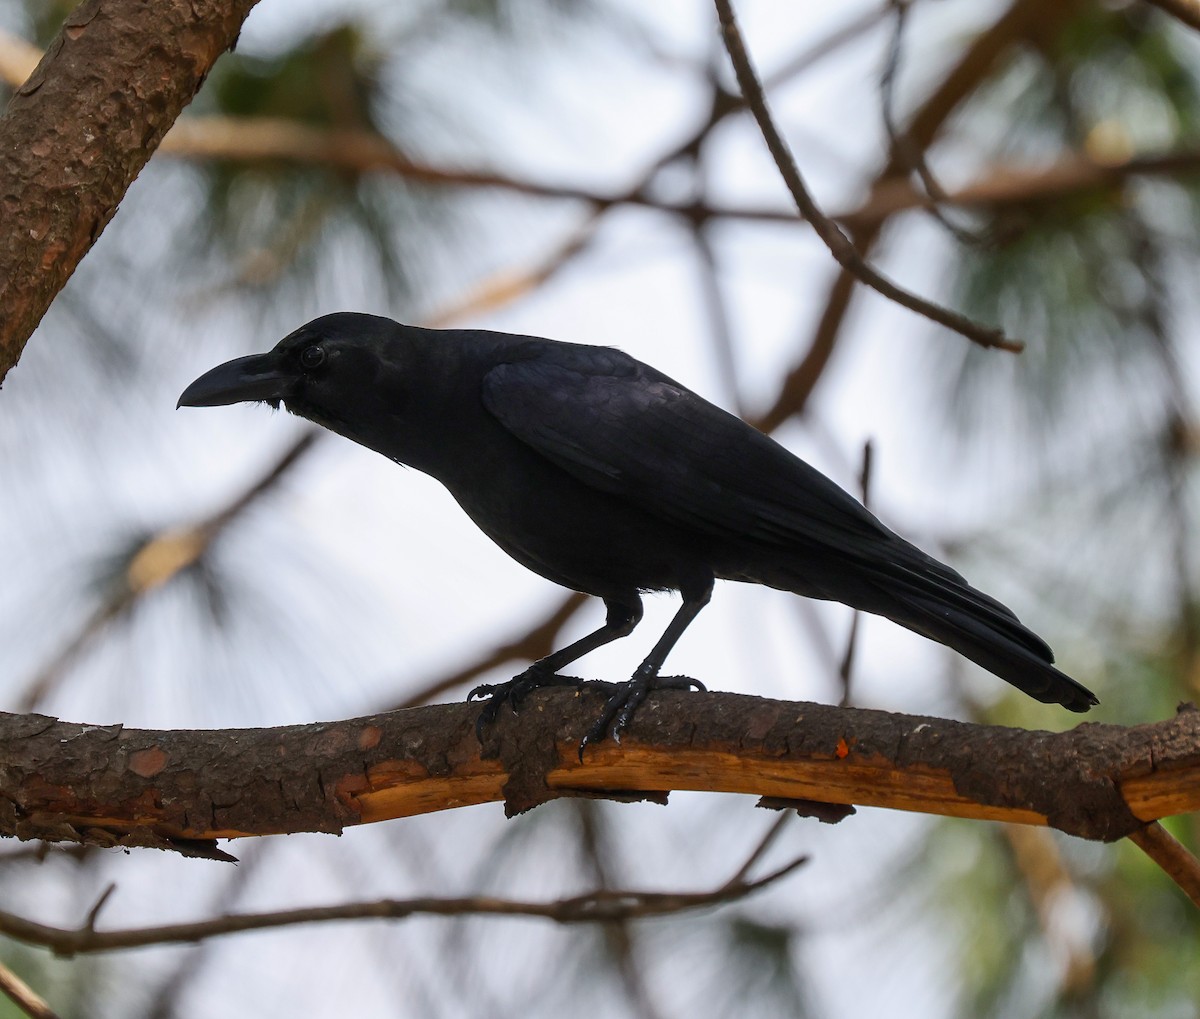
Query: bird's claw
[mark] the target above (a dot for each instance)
(512, 693)
(624, 701)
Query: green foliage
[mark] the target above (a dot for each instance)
(326, 81)
(279, 217)
(1083, 277)
(1100, 283)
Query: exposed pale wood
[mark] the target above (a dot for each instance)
(1172, 856)
(181, 790)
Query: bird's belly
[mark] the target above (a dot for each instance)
(586, 540)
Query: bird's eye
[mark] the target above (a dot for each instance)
(312, 357)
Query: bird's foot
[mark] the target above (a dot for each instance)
(624, 700)
(512, 693)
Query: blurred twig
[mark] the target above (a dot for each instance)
(18, 58)
(765, 843)
(719, 326)
(24, 996)
(846, 668)
(157, 561)
(1172, 856)
(592, 907)
(840, 246)
(1049, 883)
(1024, 19)
(1015, 185)
(506, 286)
(531, 645)
(618, 933)
(902, 146)
(165, 1002)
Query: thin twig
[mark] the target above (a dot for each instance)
(531, 645)
(1050, 885)
(760, 850)
(846, 668)
(619, 935)
(588, 908)
(903, 148)
(957, 84)
(1172, 856)
(89, 921)
(161, 558)
(839, 245)
(24, 996)
(355, 151)
(503, 288)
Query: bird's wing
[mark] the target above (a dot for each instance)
(624, 428)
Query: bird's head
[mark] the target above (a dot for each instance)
(319, 371)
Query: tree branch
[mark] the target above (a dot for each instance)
(24, 996)
(161, 558)
(1023, 20)
(80, 129)
(1001, 186)
(840, 246)
(603, 905)
(1171, 855)
(182, 790)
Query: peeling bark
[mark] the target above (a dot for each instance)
(106, 785)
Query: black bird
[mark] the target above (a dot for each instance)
(605, 476)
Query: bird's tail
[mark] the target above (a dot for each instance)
(928, 597)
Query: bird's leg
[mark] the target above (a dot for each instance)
(622, 618)
(620, 707)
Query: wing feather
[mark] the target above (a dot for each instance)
(624, 428)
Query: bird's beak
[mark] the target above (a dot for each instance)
(257, 377)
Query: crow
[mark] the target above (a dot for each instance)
(603, 475)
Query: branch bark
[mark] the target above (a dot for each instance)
(80, 129)
(182, 790)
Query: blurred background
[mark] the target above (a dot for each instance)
(581, 169)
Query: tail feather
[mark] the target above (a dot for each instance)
(928, 597)
(999, 644)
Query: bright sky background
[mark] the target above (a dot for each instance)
(433, 590)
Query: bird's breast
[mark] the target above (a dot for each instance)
(572, 534)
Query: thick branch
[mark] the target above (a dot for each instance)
(80, 129)
(106, 785)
